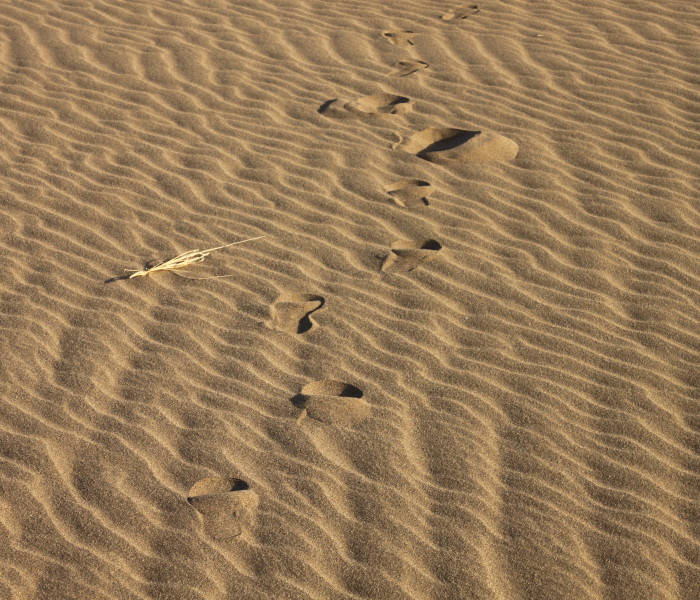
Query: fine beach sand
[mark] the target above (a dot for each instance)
(463, 362)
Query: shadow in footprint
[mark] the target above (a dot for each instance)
(462, 12)
(225, 504)
(326, 105)
(376, 104)
(331, 401)
(291, 313)
(442, 145)
(407, 255)
(407, 67)
(399, 38)
(409, 193)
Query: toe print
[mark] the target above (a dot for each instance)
(399, 38)
(334, 402)
(404, 68)
(379, 103)
(409, 193)
(225, 505)
(407, 255)
(376, 104)
(292, 312)
(462, 12)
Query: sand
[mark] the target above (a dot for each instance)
(461, 364)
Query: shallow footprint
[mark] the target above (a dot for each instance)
(376, 104)
(379, 103)
(463, 12)
(407, 255)
(442, 145)
(292, 312)
(334, 402)
(409, 193)
(225, 504)
(407, 67)
(399, 38)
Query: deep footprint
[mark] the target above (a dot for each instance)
(225, 504)
(407, 255)
(409, 193)
(463, 12)
(444, 145)
(407, 67)
(292, 312)
(334, 402)
(399, 38)
(376, 104)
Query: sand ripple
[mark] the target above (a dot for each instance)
(527, 419)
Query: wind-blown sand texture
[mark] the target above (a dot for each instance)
(492, 393)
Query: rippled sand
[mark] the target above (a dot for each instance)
(461, 364)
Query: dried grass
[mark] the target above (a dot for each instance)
(183, 260)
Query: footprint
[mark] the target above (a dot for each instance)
(376, 104)
(399, 38)
(292, 312)
(441, 145)
(379, 103)
(407, 255)
(463, 12)
(225, 503)
(409, 193)
(334, 402)
(407, 67)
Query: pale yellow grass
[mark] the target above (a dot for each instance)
(183, 260)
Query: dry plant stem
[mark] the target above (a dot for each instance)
(184, 276)
(183, 260)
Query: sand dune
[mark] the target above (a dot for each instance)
(459, 365)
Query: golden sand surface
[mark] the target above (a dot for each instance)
(463, 362)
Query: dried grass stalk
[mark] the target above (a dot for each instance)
(185, 259)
